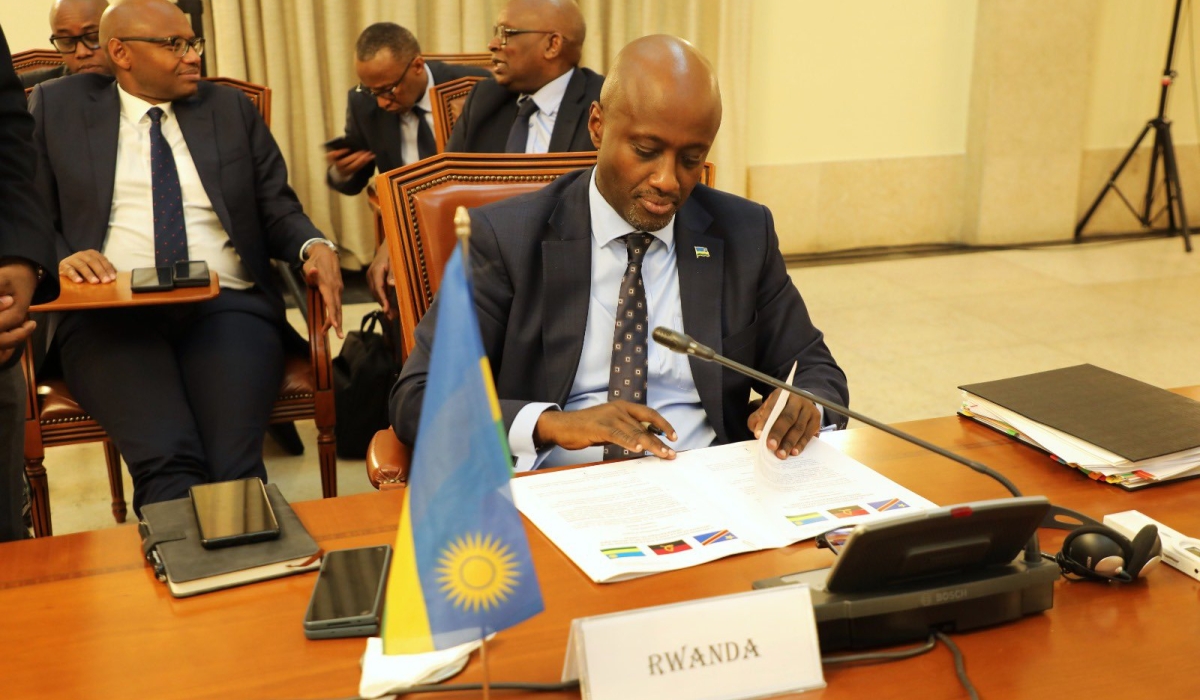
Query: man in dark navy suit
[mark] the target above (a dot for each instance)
(539, 99)
(156, 167)
(26, 275)
(389, 121)
(569, 281)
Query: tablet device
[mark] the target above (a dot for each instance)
(347, 599)
(151, 279)
(233, 512)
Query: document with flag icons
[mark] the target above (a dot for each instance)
(643, 516)
(461, 568)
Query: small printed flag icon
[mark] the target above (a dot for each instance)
(670, 547)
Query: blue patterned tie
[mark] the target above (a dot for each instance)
(170, 235)
(627, 375)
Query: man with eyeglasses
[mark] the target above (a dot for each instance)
(538, 100)
(388, 120)
(75, 33)
(154, 168)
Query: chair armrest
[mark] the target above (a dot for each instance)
(318, 347)
(388, 460)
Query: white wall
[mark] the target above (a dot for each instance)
(26, 23)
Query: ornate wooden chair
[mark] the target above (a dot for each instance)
(53, 417)
(479, 60)
(418, 203)
(448, 99)
(35, 59)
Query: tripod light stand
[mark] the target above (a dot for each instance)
(1164, 149)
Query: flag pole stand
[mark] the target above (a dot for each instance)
(487, 676)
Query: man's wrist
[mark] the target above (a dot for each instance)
(307, 248)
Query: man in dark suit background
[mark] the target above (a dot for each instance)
(26, 255)
(539, 99)
(156, 167)
(75, 33)
(388, 118)
(570, 279)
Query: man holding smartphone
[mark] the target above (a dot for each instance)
(388, 117)
(177, 169)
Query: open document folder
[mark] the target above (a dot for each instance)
(643, 516)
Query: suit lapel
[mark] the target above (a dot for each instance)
(567, 273)
(700, 259)
(196, 120)
(103, 130)
(570, 111)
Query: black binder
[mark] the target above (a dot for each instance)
(1132, 419)
(171, 543)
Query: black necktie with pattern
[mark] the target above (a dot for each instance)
(627, 375)
(170, 234)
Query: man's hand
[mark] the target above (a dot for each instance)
(347, 162)
(379, 278)
(322, 269)
(799, 422)
(17, 282)
(89, 265)
(618, 422)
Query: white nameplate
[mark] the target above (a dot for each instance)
(744, 645)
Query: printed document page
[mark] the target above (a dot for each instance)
(643, 516)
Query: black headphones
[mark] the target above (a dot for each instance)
(1099, 553)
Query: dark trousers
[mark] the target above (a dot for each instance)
(12, 453)
(183, 390)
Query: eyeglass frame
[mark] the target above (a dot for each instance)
(834, 540)
(388, 91)
(196, 43)
(76, 41)
(501, 32)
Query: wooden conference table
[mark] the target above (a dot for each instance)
(82, 617)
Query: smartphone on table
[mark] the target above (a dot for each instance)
(151, 279)
(191, 273)
(233, 512)
(347, 600)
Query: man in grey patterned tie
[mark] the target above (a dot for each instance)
(569, 280)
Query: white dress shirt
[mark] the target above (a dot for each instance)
(670, 388)
(129, 242)
(541, 122)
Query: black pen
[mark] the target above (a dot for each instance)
(652, 429)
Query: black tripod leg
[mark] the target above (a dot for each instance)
(1174, 190)
(1112, 182)
(1157, 152)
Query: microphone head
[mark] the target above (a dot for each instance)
(671, 339)
(681, 342)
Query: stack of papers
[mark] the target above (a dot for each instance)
(1108, 426)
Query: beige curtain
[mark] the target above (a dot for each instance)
(304, 50)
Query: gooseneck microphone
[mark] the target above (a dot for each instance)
(683, 343)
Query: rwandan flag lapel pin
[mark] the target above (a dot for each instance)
(701, 252)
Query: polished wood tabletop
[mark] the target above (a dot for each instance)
(75, 296)
(83, 617)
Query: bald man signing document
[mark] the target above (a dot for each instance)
(569, 281)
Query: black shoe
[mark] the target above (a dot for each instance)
(288, 438)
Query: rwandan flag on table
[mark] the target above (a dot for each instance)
(461, 568)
